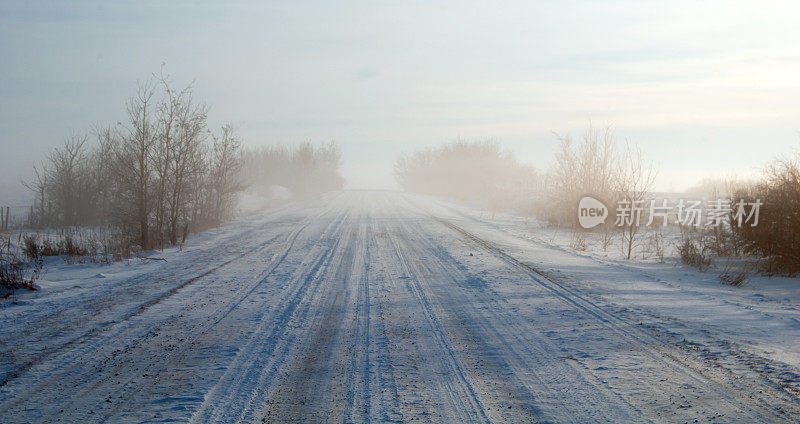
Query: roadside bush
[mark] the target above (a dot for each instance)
(655, 244)
(693, 251)
(73, 248)
(734, 275)
(776, 238)
(16, 272)
(723, 241)
(577, 241)
(31, 247)
(96, 246)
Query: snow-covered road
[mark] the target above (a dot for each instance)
(384, 307)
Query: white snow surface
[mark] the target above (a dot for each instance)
(370, 306)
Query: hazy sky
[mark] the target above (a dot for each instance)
(703, 87)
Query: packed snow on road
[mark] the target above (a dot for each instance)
(370, 306)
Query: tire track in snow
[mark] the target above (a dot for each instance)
(132, 312)
(473, 411)
(525, 352)
(379, 367)
(98, 330)
(360, 364)
(218, 315)
(252, 369)
(308, 388)
(734, 399)
(346, 299)
(132, 330)
(765, 373)
(329, 376)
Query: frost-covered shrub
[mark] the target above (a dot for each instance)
(693, 252)
(776, 238)
(578, 241)
(15, 271)
(31, 247)
(734, 276)
(92, 246)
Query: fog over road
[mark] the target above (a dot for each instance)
(362, 307)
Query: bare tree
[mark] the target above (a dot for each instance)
(65, 178)
(186, 151)
(589, 167)
(225, 165)
(134, 163)
(39, 186)
(635, 180)
(154, 177)
(162, 160)
(171, 109)
(102, 169)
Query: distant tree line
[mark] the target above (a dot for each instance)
(302, 171)
(600, 166)
(477, 171)
(157, 176)
(481, 171)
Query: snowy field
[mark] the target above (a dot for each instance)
(386, 307)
